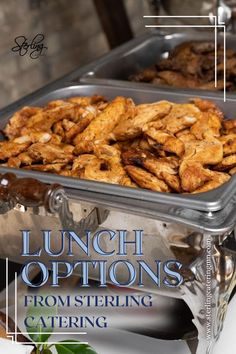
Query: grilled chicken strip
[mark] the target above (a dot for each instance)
(146, 180)
(131, 127)
(49, 153)
(208, 122)
(19, 121)
(166, 141)
(180, 117)
(227, 163)
(229, 144)
(10, 149)
(206, 152)
(164, 168)
(229, 126)
(105, 122)
(87, 100)
(162, 146)
(44, 120)
(52, 168)
(217, 180)
(193, 175)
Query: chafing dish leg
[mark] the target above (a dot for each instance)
(209, 294)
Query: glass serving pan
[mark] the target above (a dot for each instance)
(180, 227)
(142, 52)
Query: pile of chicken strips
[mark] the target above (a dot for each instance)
(161, 146)
(192, 65)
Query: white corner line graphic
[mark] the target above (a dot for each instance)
(13, 335)
(217, 24)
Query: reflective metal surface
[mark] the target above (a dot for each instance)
(162, 241)
(193, 230)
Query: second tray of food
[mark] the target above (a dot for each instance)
(175, 61)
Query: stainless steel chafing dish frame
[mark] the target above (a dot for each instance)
(212, 211)
(205, 215)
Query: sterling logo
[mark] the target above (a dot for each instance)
(34, 48)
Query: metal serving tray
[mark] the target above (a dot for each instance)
(140, 53)
(211, 211)
(186, 235)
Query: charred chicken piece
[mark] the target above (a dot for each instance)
(166, 141)
(146, 180)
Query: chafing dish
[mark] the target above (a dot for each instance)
(118, 65)
(192, 229)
